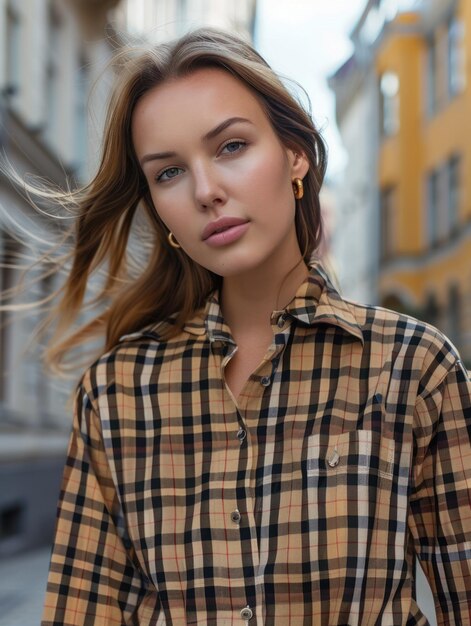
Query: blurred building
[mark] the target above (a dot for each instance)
(417, 56)
(355, 244)
(44, 73)
(160, 20)
(53, 92)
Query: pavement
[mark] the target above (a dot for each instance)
(22, 587)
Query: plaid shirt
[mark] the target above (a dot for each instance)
(346, 455)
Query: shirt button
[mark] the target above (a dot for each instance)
(246, 613)
(281, 321)
(235, 516)
(265, 381)
(334, 459)
(241, 435)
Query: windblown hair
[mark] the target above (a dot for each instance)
(169, 284)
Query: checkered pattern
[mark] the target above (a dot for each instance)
(306, 502)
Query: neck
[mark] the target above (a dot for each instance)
(248, 300)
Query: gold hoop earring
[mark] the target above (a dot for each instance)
(172, 241)
(298, 188)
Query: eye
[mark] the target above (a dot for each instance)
(233, 146)
(168, 174)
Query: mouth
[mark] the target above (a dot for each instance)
(221, 225)
(224, 231)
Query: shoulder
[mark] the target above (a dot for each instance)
(418, 345)
(388, 324)
(131, 364)
(384, 331)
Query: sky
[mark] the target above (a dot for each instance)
(307, 40)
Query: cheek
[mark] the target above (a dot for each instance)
(270, 178)
(167, 209)
(176, 218)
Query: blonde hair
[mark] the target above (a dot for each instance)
(170, 285)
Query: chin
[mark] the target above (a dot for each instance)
(229, 270)
(235, 262)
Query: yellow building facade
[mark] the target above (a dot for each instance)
(422, 61)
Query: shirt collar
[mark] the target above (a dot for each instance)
(316, 301)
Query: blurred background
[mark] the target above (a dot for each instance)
(389, 85)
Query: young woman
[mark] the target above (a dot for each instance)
(252, 447)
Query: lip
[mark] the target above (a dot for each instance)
(225, 237)
(222, 226)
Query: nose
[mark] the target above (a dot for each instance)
(208, 188)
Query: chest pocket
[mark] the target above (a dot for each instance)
(357, 486)
(359, 453)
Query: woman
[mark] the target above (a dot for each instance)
(252, 448)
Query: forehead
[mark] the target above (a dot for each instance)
(198, 101)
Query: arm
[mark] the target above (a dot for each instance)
(92, 577)
(440, 514)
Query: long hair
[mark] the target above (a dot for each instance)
(167, 284)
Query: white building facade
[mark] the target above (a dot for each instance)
(160, 20)
(355, 239)
(54, 85)
(43, 133)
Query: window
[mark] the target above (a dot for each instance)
(446, 65)
(453, 193)
(387, 209)
(53, 76)
(443, 201)
(432, 195)
(9, 251)
(431, 312)
(13, 50)
(454, 315)
(456, 71)
(432, 76)
(81, 118)
(11, 518)
(389, 90)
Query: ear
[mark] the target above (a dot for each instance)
(298, 162)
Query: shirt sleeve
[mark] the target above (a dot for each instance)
(440, 512)
(93, 577)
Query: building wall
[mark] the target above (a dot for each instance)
(45, 51)
(44, 86)
(428, 269)
(412, 272)
(422, 223)
(55, 80)
(354, 244)
(401, 154)
(40, 52)
(160, 20)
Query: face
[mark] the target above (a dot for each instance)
(219, 177)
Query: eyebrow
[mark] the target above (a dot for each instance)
(209, 135)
